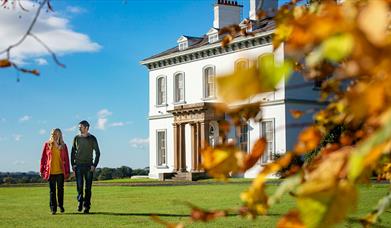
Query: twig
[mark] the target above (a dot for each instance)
(48, 49)
(27, 32)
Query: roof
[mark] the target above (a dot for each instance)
(260, 26)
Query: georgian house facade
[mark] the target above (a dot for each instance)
(182, 90)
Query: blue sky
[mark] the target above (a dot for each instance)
(103, 82)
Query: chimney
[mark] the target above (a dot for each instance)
(226, 13)
(265, 5)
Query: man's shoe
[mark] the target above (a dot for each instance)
(86, 211)
(62, 210)
(80, 208)
(53, 212)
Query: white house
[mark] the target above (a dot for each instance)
(182, 88)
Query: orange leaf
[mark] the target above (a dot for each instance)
(346, 139)
(308, 140)
(198, 214)
(255, 155)
(296, 113)
(290, 220)
(5, 63)
(167, 224)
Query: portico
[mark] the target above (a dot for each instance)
(201, 118)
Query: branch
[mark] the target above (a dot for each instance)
(48, 49)
(29, 33)
(28, 30)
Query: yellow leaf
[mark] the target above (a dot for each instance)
(247, 82)
(370, 149)
(239, 85)
(374, 20)
(327, 207)
(219, 162)
(337, 47)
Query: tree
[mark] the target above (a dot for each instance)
(347, 45)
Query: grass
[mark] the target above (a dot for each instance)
(130, 206)
(129, 180)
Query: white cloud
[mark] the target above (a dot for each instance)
(24, 118)
(41, 61)
(102, 118)
(120, 124)
(52, 29)
(76, 10)
(139, 142)
(17, 137)
(101, 124)
(104, 113)
(42, 132)
(117, 124)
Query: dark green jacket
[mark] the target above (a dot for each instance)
(82, 150)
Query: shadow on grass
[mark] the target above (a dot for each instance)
(130, 214)
(158, 214)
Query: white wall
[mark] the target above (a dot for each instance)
(277, 114)
(154, 125)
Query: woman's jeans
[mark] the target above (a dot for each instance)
(83, 173)
(56, 180)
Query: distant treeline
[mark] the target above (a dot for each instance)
(100, 174)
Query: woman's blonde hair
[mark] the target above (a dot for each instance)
(60, 141)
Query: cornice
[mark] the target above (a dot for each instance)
(209, 51)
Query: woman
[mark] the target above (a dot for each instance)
(55, 168)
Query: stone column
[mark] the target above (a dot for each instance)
(204, 137)
(176, 148)
(198, 147)
(193, 147)
(182, 148)
(204, 134)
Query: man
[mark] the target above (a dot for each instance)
(83, 165)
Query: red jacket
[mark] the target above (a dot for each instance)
(47, 158)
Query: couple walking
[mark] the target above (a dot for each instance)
(55, 166)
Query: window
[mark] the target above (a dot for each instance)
(243, 137)
(267, 131)
(179, 87)
(161, 148)
(161, 90)
(213, 38)
(241, 64)
(209, 82)
(183, 45)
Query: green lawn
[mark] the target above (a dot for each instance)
(130, 206)
(129, 180)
